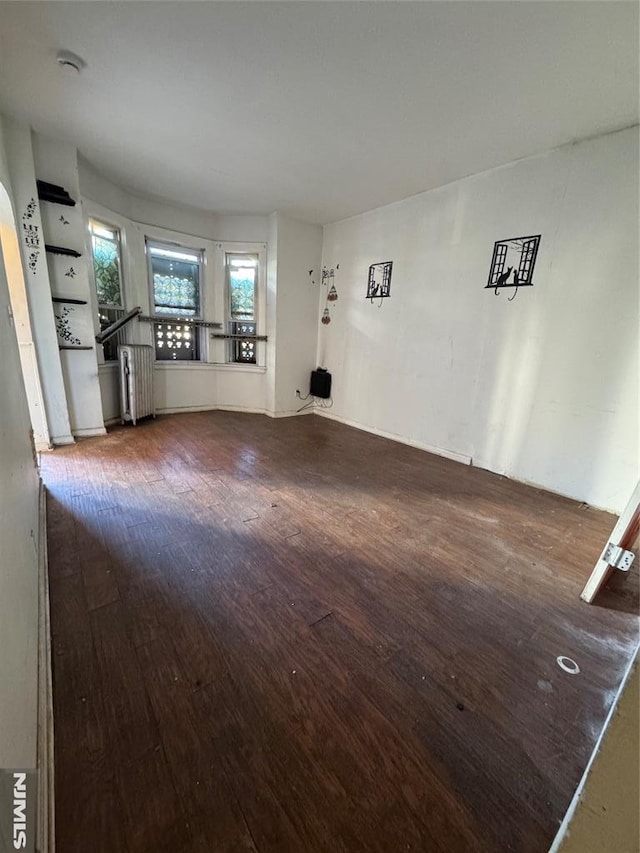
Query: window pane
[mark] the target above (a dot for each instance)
(175, 254)
(103, 231)
(176, 285)
(106, 264)
(107, 316)
(242, 292)
(243, 352)
(176, 342)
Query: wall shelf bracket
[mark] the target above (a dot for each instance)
(62, 250)
(54, 193)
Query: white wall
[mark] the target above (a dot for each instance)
(299, 249)
(188, 220)
(109, 391)
(543, 388)
(19, 537)
(272, 292)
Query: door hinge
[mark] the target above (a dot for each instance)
(618, 557)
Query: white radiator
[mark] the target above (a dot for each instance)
(136, 382)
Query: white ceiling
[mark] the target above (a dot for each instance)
(319, 110)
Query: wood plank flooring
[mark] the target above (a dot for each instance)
(289, 635)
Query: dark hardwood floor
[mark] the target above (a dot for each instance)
(289, 635)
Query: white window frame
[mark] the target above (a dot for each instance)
(102, 215)
(94, 220)
(187, 245)
(223, 314)
(228, 318)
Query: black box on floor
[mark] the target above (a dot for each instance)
(320, 383)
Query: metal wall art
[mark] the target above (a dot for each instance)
(31, 234)
(63, 327)
(328, 276)
(379, 283)
(30, 209)
(512, 264)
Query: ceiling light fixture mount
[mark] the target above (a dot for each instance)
(70, 61)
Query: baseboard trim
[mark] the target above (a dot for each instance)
(178, 410)
(293, 414)
(58, 440)
(46, 776)
(247, 409)
(87, 433)
(437, 451)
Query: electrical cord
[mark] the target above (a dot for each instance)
(316, 402)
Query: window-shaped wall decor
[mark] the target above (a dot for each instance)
(513, 263)
(379, 283)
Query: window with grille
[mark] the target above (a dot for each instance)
(107, 269)
(175, 275)
(242, 280)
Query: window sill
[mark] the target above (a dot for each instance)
(242, 368)
(204, 365)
